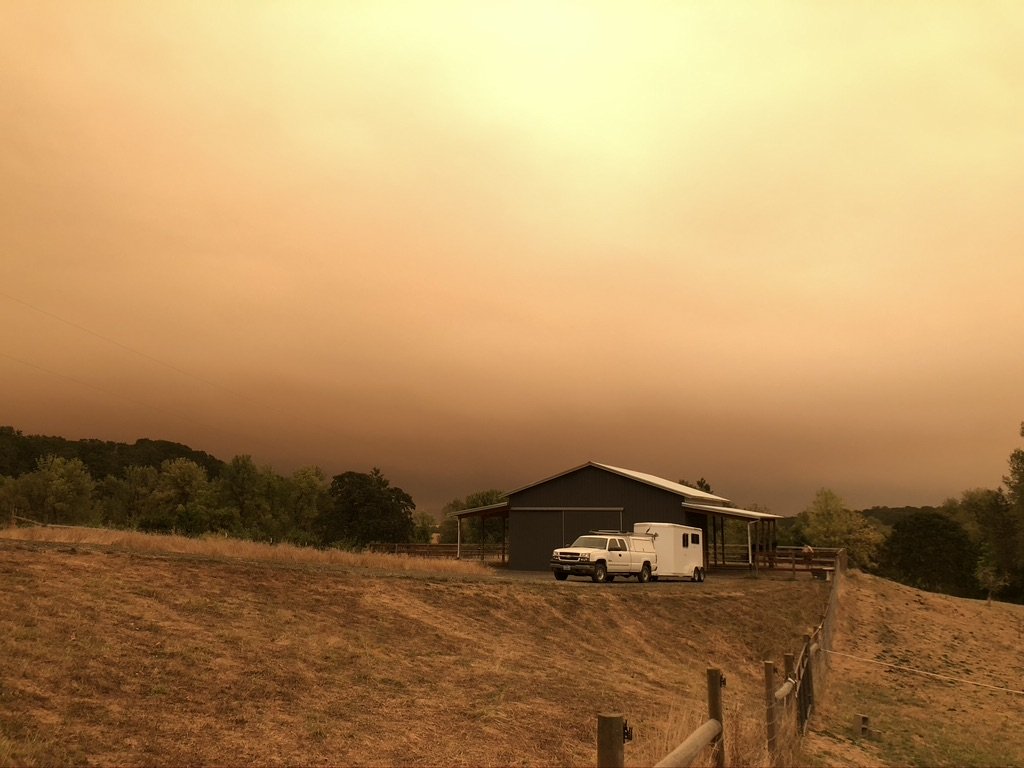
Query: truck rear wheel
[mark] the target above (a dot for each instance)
(645, 574)
(600, 573)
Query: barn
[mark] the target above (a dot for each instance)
(552, 512)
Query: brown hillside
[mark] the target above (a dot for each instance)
(920, 719)
(115, 656)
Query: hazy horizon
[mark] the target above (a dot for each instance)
(770, 244)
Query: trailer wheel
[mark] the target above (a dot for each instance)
(645, 574)
(600, 573)
(696, 575)
(703, 575)
(561, 575)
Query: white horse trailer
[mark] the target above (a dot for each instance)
(679, 547)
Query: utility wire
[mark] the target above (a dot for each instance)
(923, 672)
(118, 344)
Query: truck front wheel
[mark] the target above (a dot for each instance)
(600, 573)
(645, 574)
(561, 575)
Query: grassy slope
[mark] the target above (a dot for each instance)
(121, 654)
(921, 720)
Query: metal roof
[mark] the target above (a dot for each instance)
(747, 514)
(658, 482)
(480, 511)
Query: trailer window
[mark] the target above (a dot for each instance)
(695, 538)
(686, 539)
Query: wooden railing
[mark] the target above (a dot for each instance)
(787, 704)
(612, 733)
(489, 552)
(805, 673)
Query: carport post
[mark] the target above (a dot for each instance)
(458, 538)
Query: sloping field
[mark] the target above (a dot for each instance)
(115, 655)
(921, 719)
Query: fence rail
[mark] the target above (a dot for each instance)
(448, 551)
(612, 733)
(792, 700)
(805, 674)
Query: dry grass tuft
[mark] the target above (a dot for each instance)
(223, 547)
(120, 653)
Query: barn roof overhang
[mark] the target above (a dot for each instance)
(738, 514)
(491, 510)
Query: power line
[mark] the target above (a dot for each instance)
(923, 672)
(120, 345)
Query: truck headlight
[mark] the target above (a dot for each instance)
(584, 557)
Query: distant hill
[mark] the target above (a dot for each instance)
(19, 453)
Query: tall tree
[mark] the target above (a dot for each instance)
(182, 500)
(999, 532)
(471, 533)
(364, 508)
(128, 499)
(931, 551)
(244, 492)
(59, 491)
(826, 522)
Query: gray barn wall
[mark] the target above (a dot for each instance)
(547, 523)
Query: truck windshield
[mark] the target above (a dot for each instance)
(591, 542)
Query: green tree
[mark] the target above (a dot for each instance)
(999, 531)
(245, 494)
(182, 501)
(304, 497)
(471, 532)
(366, 508)
(59, 491)
(127, 499)
(425, 525)
(930, 551)
(828, 523)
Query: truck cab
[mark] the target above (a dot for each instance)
(603, 555)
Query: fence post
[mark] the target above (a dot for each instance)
(610, 746)
(769, 708)
(715, 713)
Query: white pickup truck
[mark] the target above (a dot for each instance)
(603, 555)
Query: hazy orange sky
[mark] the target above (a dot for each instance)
(777, 245)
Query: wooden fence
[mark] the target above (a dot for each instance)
(788, 705)
(490, 552)
(612, 733)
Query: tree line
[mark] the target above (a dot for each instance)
(970, 546)
(164, 487)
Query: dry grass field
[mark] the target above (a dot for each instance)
(160, 651)
(920, 719)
